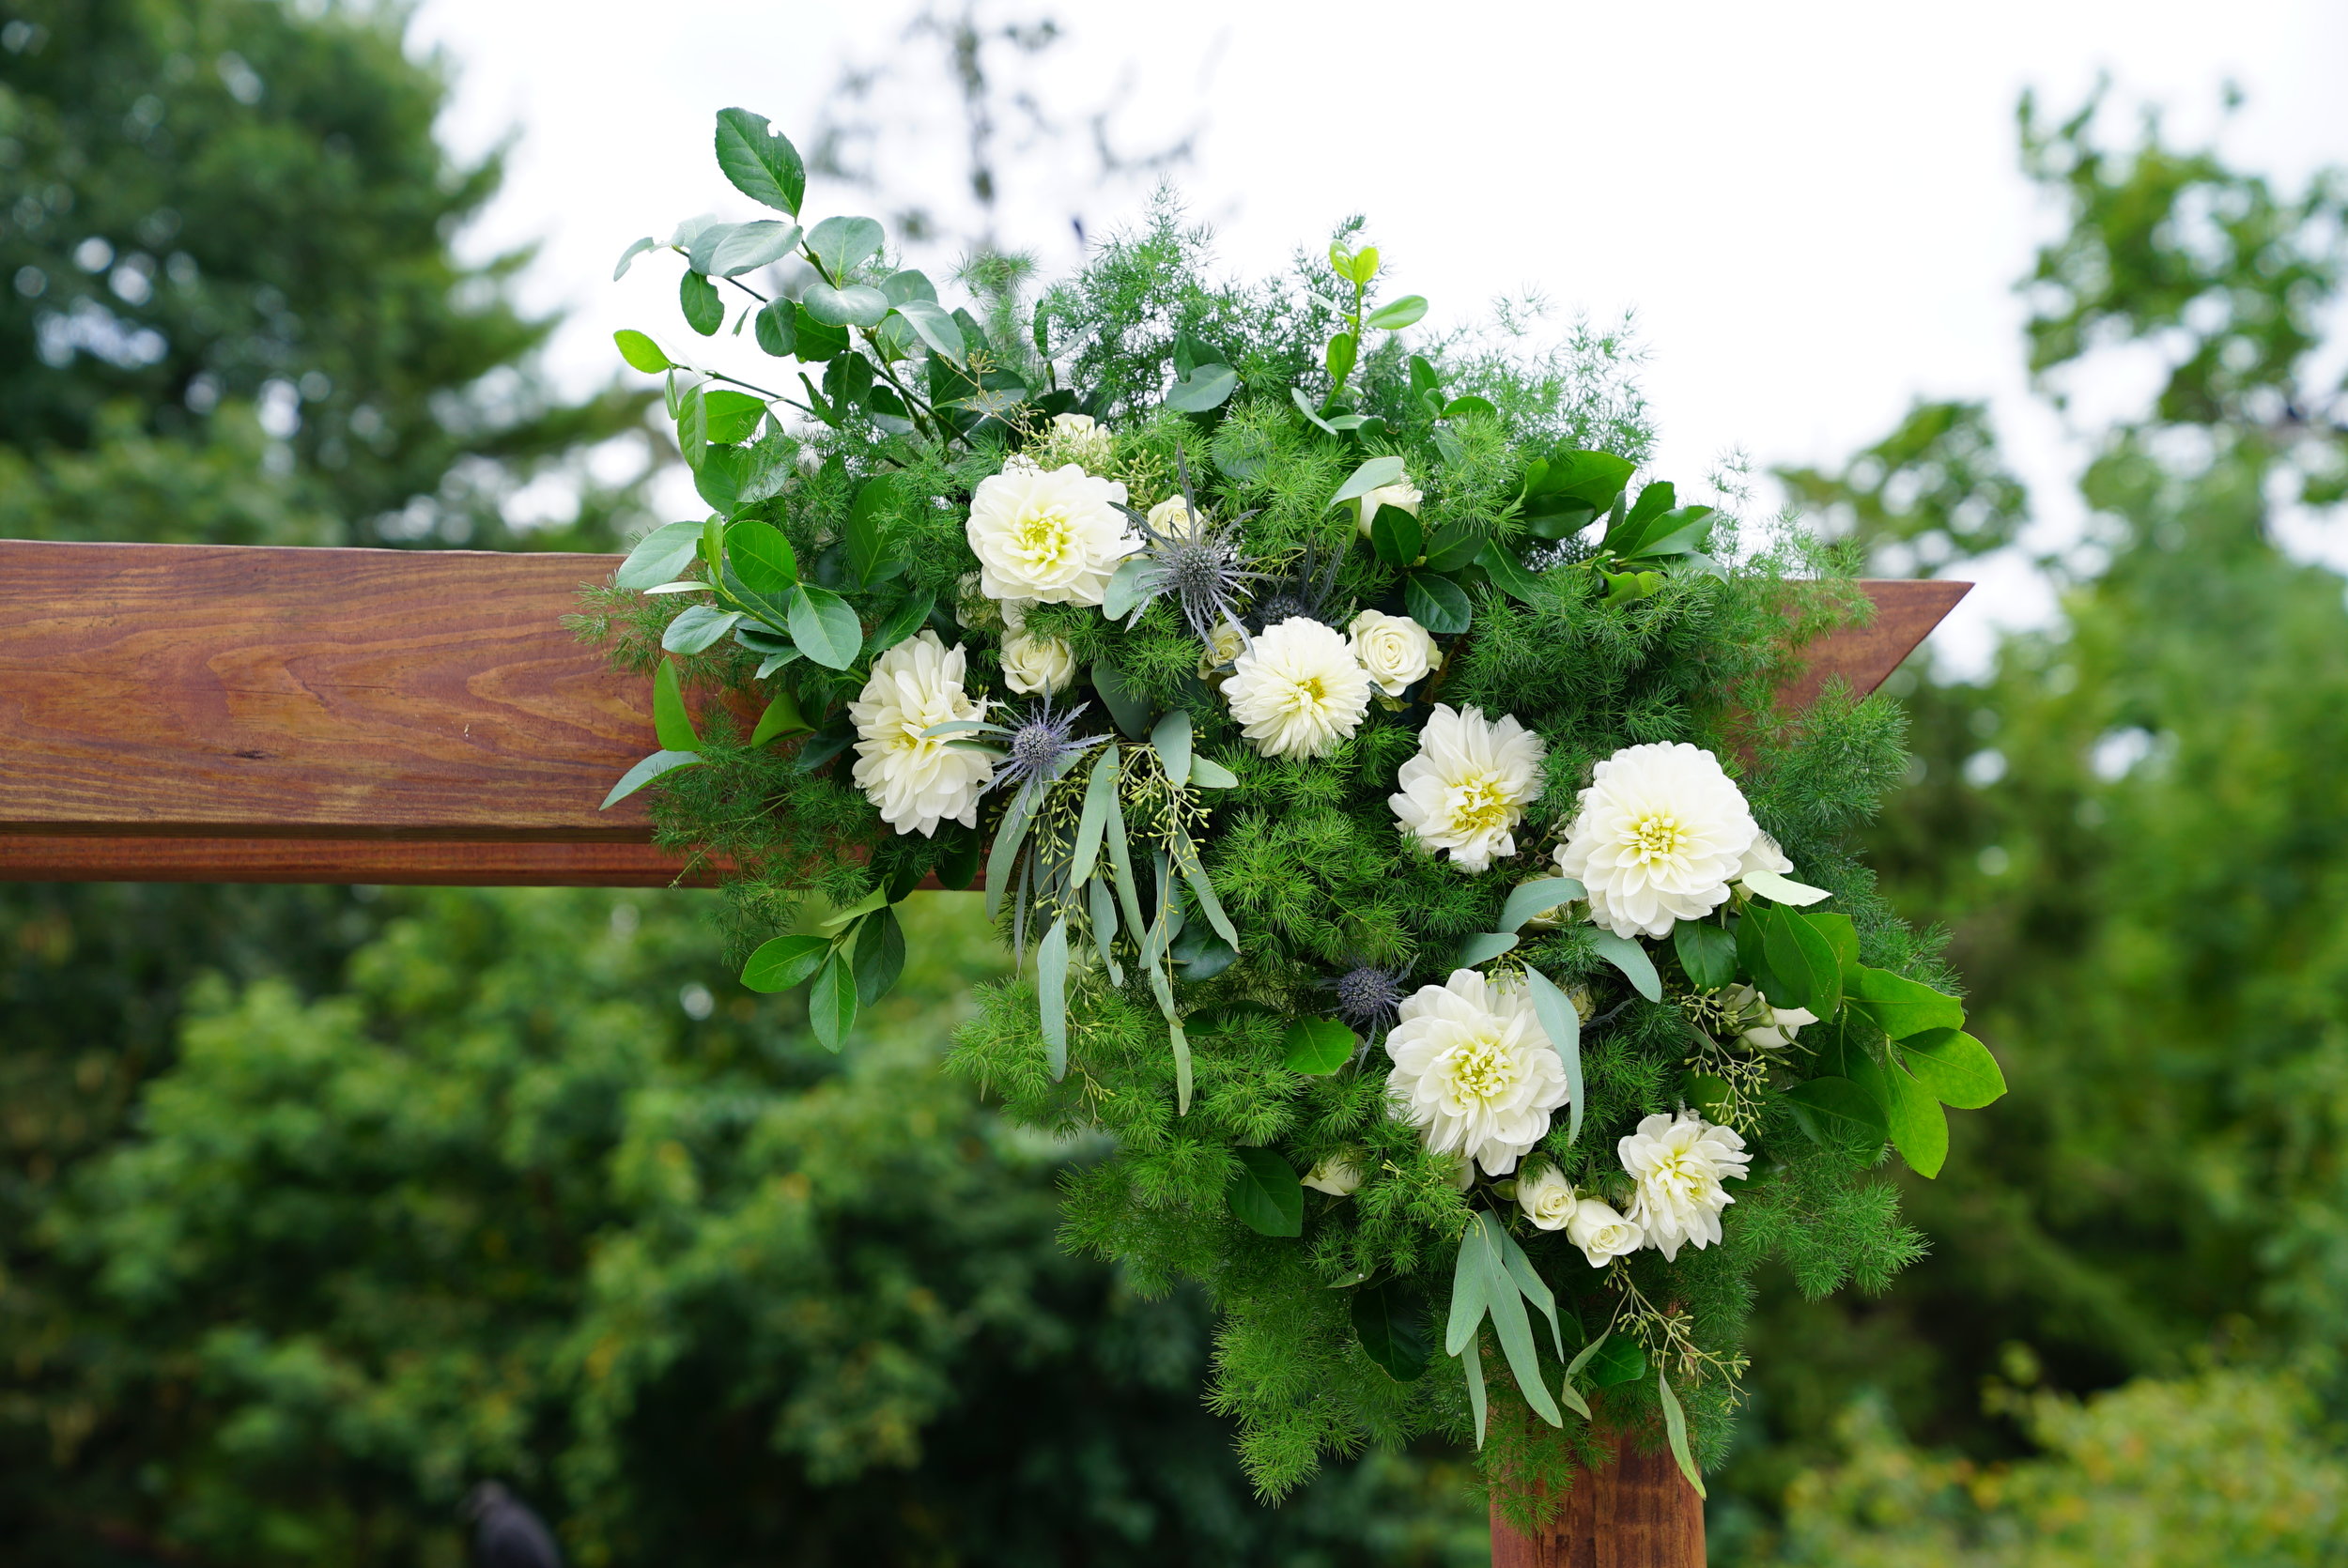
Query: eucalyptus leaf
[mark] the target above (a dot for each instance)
(1008, 834)
(628, 259)
(934, 326)
(1625, 954)
(1561, 1021)
(1206, 774)
(1101, 904)
(854, 306)
(1125, 702)
(1676, 1427)
(1305, 406)
(1533, 898)
(1207, 387)
(1374, 474)
(1051, 988)
(1099, 795)
(697, 296)
(1171, 739)
(1125, 594)
(1482, 946)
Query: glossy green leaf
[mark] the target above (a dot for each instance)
(760, 557)
(1318, 1046)
(645, 771)
(1954, 1067)
(732, 416)
(1803, 960)
(659, 556)
(781, 718)
(1338, 359)
(824, 626)
(1561, 1022)
(1836, 1113)
(902, 622)
(761, 161)
(880, 956)
(670, 723)
(751, 246)
(832, 1001)
(1209, 386)
(1707, 953)
(642, 353)
(1508, 573)
(1437, 603)
(698, 628)
(1265, 1195)
(815, 341)
(1396, 535)
(783, 961)
(1919, 1128)
(1901, 1006)
(1390, 1324)
(1125, 591)
(1614, 1361)
(1625, 954)
(1398, 314)
(698, 297)
(1375, 474)
(843, 244)
(1591, 479)
(1454, 546)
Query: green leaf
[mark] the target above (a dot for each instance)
(857, 306)
(775, 326)
(1391, 1324)
(1510, 1320)
(934, 326)
(781, 718)
(1201, 954)
(1206, 774)
(1396, 535)
(1803, 960)
(1194, 873)
(901, 622)
(1436, 603)
(1101, 904)
(698, 297)
(1206, 387)
(731, 415)
(1836, 1113)
(1454, 546)
(1171, 739)
(1954, 1067)
(1305, 406)
(1901, 1006)
(843, 244)
(1654, 501)
(824, 627)
(1531, 899)
(841, 918)
(783, 961)
(645, 771)
(1468, 405)
(1531, 1287)
(1008, 834)
(1614, 1361)
(1625, 954)
(1508, 573)
(699, 627)
(670, 723)
(760, 557)
(1562, 1023)
(1338, 359)
(1482, 946)
(718, 478)
(761, 161)
(659, 556)
(1051, 993)
(1265, 1195)
(1707, 952)
(1842, 936)
(1318, 1046)
(1471, 1293)
(641, 352)
(1919, 1128)
(1396, 315)
(1472, 1371)
(751, 246)
(1124, 587)
(1126, 703)
(1099, 795)
(1785, 891)
(831, 1003)
(1676, 1428)
(1374, 474)
(628, 259)
(816, 341)
(876, 502)
(1679, 532)
(1591, 479)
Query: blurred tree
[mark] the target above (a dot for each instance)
(1933, 492)
(2134, 831)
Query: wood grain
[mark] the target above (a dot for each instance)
(176, 713)
(1638, 1512)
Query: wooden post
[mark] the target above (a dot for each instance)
(175, 713)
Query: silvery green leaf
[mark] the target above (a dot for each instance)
(1783, 889)
(857, 306)
(1534, 1287)
(699, 627)
(1562, 1023)
(842, 245)
(1207, 775)
(1472, 1364)
(751, 246)
(1305, 406)
(1122, 863)
(1099, 791)
(1008, 837)
(1625, 954)
(961, 727)
(645, 771)
(1051, 986)
(627, 257)
(1676, 1427)
(1123, 594)
(1374, 474)
(934, 326)
(1171, 739)
(1101, 904)
(1181, 1044)
(1469, 1297)
(683, 585)
(1195, 872)
(1483, 945)
(775, 661)
(660, 556)
(1510, 1322)
(1534, 897)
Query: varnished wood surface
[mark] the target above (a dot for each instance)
(1637, 1512)
(226, 713)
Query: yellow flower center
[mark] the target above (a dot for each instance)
(1044, 533)
(1656, 836)
(1479, 805)
(1310, 692)
(1480, 1070)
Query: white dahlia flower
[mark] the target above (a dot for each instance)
(918, 783)
(1336, 1176)
(1297, 690)
(1546, 1198)
(1468, 787)
(1472, 1069)
(1051, 536)
(1602, 1234)
(1395, 649)
(1679, 1163)
(1038, 664)
(1661, 834)
(1401, 494)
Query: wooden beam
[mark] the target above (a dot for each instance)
(226, 713)
(1638, 1512)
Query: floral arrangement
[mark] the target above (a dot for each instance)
(1387, 802)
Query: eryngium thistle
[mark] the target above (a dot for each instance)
(1197, 562)
(1369, 997)
(1038, 745)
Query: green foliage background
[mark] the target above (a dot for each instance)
(315, 1207)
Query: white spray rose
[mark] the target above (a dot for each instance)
(1660, 832)
(1468, 787)
(918, 782)
(1038, 664)
(1395, 649)
(1764, 1027)
(1765, 856)
(1081, 440)
(1679, 1163)
(1336, 1176)
(1546, 1198)
(1224, 645)
(1602, 1234)
(1298, 690)
(1474, 1070)
(1401, 494)
(1050, 536)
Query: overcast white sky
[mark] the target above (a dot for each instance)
(1814, 208)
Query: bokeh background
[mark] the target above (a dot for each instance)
(318, 1206)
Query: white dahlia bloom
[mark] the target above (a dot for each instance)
(1679, 1163)
(1336, 1176)
(1661, 834)
(1546, 1198)
(1472, 1069)
(1401, 494)
(1297, 690)
(1051, 536)
(918, 783)
(1602, 1234)
(1468, 787)
(1038, 664)
(1395, 649)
